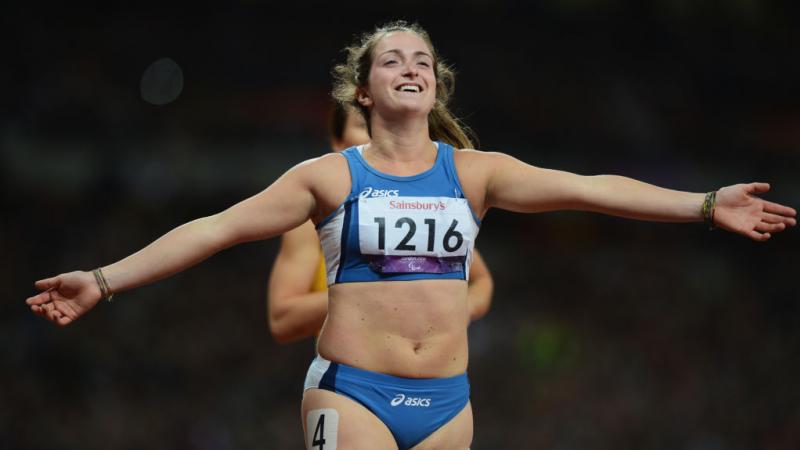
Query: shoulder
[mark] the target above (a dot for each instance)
(477, 164)
(481, 172)
(472, 156)
(321, 165)
(474, 169)
(479, 160)
(328, 178)
(488, 164)
(321, 173)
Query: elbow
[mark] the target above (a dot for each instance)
(277, 326)
(480, 310)
(282, 338)
(482, 302)
(280, 330)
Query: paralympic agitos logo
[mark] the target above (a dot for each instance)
(410, 401)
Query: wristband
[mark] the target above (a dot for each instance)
(102, 284)
(709, 205)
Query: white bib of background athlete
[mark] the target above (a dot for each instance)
(439, 227)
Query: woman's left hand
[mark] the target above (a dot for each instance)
(740, 211)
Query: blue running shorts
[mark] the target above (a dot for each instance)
(412, 408)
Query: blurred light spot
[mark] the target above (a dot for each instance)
(162, 82)
(548, 347)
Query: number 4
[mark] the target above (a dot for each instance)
(319, 431)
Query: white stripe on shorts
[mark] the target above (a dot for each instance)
(318, 368)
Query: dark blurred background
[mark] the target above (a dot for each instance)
(604, 333)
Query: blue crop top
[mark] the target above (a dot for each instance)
(393, 228)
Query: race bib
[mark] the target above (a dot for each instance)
(415, 234)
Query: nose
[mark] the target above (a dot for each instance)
(410, 70)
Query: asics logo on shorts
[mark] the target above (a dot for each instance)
(410, 401)
(370, 192)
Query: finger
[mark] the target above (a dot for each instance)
(41, 310)
(48, 283)
(765, 227)
(781, 210)
(63, 321)
(756, 236)
(51, 312)
(775, 218)
(46, 308)
(38, 310)
(757, 188)
(53, 315)
(65, 310)
(38, 299)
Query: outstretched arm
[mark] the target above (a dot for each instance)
(516, 186)
(285, 204)
(294, 311)
(480, 288)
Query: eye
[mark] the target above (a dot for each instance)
(389, 62)
(424, 63)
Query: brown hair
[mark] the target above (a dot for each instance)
(347, 77)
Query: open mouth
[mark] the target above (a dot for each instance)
(408, 87)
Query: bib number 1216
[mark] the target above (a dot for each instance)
(451, 241)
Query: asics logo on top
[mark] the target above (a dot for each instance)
(370, 192)
(401, 399)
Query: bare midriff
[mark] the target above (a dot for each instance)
(414, 329)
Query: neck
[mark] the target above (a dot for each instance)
(405, 140)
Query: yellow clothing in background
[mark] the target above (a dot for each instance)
(320, 282)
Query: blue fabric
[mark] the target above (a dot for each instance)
(412, 408)
(440, 180)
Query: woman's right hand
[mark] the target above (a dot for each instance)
(65, 297)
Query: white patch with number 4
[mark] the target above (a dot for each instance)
(322, 426)
(422, 226)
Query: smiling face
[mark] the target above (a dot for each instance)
(394, 73)
(401, 78)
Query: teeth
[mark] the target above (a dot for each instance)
(409, 88)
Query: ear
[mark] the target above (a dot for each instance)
(363, 97)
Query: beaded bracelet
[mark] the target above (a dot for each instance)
(103, 284)
(709, 206)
